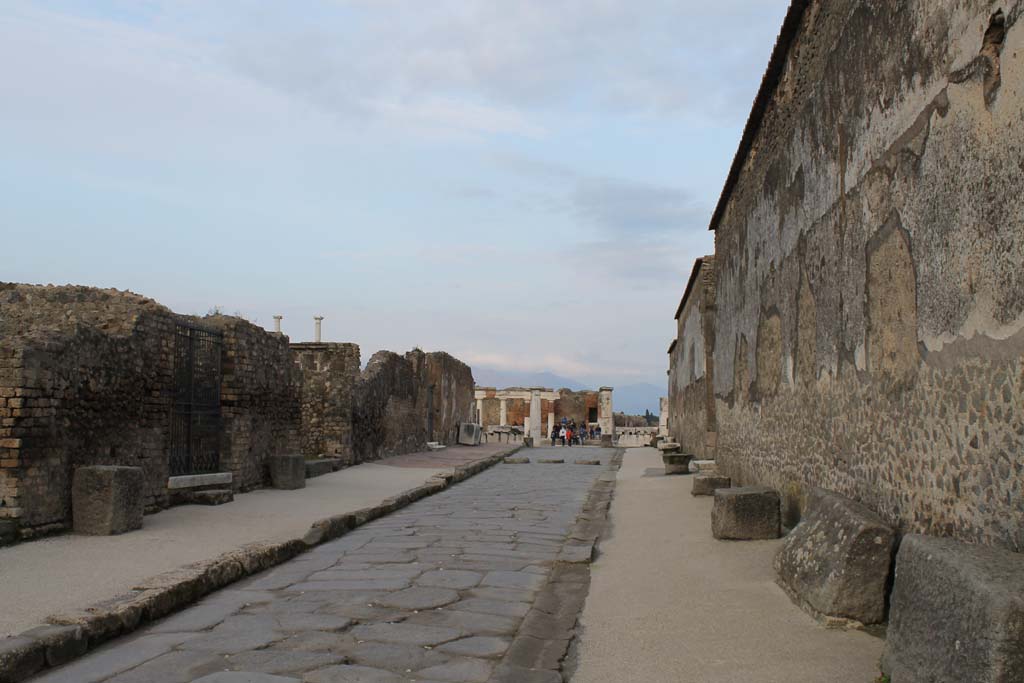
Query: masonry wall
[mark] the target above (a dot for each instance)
(692, 422)
(329, 375)
(451, 401)
(870, 294)
(402, 402)
(85, 379)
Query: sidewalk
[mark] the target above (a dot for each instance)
(670, 604)
(66, 572)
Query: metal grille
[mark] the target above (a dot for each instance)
(195, 421)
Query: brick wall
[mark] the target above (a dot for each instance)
(329, 374)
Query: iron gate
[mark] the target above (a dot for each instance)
(195, 419)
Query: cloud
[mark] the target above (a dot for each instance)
(630, 208)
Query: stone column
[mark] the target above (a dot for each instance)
(503, 420)
(605, 418)
(551, 420)
(277, 323)
(535, 425)
(480, 411)
(663, 417)
(316, 331)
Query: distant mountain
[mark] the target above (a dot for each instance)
(632, 399)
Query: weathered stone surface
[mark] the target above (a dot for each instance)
(346, 673)
(582, 461)
(107, 499)
(419, 598)
(244, 677)
(676, 463)
(410, 634)
(321, 466)
(746, 513)
(551, 461)
(450, 578)
(211, 497)
(836, 561)
(62, 643)
(707, 484)
(957, 613)
(459, 670)
(287, 471)
(517, 461)
(477, 646)
(20, 657)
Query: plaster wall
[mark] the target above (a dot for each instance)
(869, 294)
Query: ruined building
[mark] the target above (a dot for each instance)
(516, 407)
(102, 377)
(861, 324)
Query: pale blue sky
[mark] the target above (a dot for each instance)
(523, 183)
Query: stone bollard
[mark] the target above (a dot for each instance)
(748, 513)
(287, 472)
(676, 463)
(606, 441)
(528, 441)
(106, 500)
(707, 484)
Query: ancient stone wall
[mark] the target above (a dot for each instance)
(261, 394)
(692, 421)
(329, 375)
(869, 293)
(450, 383)
(85, 379)
(401, 402)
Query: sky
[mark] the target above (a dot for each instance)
(522, 183)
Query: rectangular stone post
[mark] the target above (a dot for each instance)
(503, 420)
(535, 424)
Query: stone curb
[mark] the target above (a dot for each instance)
(543, 649)
(72, 634)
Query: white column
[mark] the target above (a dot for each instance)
(503, 420)
(535, 425)
(316, 330)
(480, 411)
(277, 323)
(605, 417)
(551, 420)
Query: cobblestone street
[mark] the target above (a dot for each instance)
(466, 585)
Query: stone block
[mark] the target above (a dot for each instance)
(669, 447)
(676, 463)
(20, 658)
(606, 441)
(707, 484)
(746, 514)
(956, 614)
(212, 497)
(61, 643)
(836, 562)
(528, 441)
(320, 467)
(470, 434)
(107, 499)
(287, 472)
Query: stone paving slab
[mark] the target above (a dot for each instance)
(441, 590)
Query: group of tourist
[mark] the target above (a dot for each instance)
(569, 433)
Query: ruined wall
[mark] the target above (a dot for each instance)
(576, 406)
(85, 379)
(870, 294)
(450, 382)
(401, 402)
(261, 390)
(692, 422)
(329, 374)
